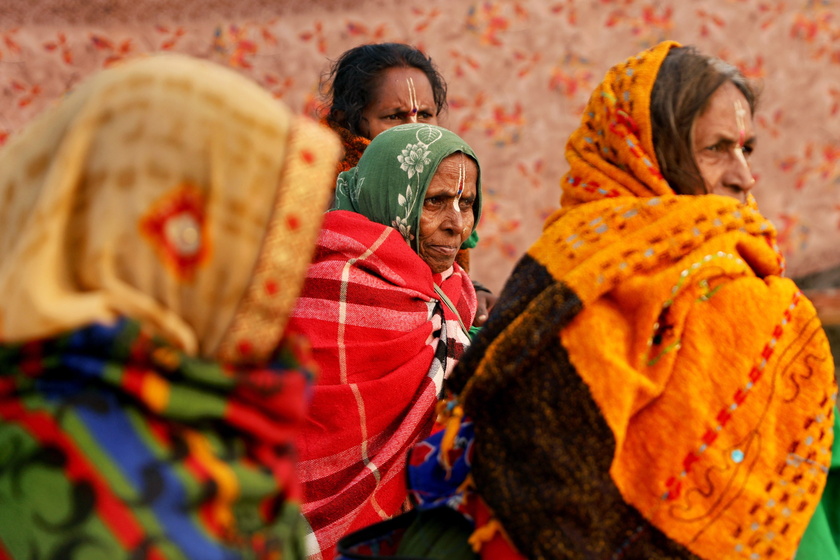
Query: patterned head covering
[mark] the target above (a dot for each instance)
(168, 190)
(390, 182)
(685, 410)
(611, 154)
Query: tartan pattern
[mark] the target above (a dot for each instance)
(384, 344)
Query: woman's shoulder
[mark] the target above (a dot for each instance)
(350, 240)
(345, 229)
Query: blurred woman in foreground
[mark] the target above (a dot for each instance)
(154, 233)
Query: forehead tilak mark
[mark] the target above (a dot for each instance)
(741, 123)
(462, 177)
(412, 95)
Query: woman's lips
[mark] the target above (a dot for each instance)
(447, 250)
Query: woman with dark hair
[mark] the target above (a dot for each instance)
(374, 87)
(371, 88)
(649, 385)
(386, 308)
(684, 87)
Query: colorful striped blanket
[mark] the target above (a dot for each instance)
(115, 445)
(384, 342)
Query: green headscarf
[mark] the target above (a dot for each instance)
(389, 184)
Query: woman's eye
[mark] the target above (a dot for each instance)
(466, 203)
(394, 117)
(748, 150)
(425, 116)
(433, 201)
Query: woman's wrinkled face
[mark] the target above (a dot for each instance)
(404, 95)
(724, 139)
(447, 219)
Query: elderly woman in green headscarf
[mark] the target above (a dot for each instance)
(386, 307)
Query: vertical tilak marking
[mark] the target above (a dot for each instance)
(741, 123)
(462, 178)
(412, 97)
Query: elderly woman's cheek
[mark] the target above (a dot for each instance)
(469, 223)
(428, 223)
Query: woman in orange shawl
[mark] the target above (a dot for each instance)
(649, 385)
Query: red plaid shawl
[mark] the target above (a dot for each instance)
(378, 333)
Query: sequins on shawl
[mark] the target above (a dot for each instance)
(274, 287)
(646, 251)
(644, 254)
(674, 484)
(792, 490)
(661, 327)
(796, 483)
(174, 225)
(610, 142)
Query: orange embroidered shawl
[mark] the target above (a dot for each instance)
(685, 409)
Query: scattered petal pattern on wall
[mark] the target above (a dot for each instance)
(519, 73)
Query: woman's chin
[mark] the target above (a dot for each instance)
(439, 257)
(439, 265)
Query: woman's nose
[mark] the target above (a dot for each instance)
(454, 217)
(740, 174)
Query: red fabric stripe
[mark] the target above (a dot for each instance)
(373, 296)
(4, 554)
(112, 512)
(340, 476)
(132, 380)
(206, 510)
(365, 306)
(362, 316)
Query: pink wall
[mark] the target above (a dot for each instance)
(519, 73)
